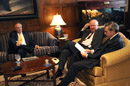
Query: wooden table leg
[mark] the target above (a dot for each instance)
(54, 77)
(6, 80)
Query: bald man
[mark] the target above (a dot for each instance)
(90, 40)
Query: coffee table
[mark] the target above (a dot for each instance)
(29, 67)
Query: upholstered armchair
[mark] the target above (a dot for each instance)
(114, 69)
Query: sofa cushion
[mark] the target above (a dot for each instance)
(85, 77)
(3, 57)
(42, 38)
(96, 71)
(4, 41)
(45, 50)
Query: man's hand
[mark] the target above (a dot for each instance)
(88, 50)
(84, 54)
(18, 43)
(85, 26)
(37, 46)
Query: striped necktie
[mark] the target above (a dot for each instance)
(20, 38)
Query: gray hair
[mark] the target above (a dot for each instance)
(18, 23)
(112, 26)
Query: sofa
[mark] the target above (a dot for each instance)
(46, 40)
(114, 69)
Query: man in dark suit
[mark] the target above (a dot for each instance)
(87, 60)
(86, 41)
(20, 42)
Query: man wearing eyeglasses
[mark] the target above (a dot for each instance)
(88, 60)
(90, 40)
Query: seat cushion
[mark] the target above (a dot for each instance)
(85, 77)
(3, 57)
(45, 50)
(96, 71)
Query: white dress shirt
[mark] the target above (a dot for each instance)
(87, 42)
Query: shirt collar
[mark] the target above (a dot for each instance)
(113, 36)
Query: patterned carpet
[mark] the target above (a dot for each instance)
(32, 75)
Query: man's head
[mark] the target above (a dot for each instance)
(18, 27)
(93, 25)
(111, 28)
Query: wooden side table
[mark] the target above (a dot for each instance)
(29, 67)
(62, 41)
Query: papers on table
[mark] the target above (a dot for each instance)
(79, 47)
(29, 58)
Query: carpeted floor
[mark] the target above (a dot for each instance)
(32, 75)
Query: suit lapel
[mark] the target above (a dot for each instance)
(25, 37)
(84, 36)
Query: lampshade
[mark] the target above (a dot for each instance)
(57, 20)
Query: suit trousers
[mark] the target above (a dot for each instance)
(23, 49)
(67, 50)
(77, 64)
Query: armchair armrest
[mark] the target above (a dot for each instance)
(116, 57)
(76, 40)
(52, 40)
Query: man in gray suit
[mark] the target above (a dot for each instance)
(90, 40)
(88, 60)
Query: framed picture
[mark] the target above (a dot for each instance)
(18, 9)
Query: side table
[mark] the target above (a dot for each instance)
(62, 41)
(30, 67)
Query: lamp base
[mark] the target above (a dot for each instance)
(58, 31)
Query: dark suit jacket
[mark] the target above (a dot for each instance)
(14, 37)
(80, 34)
(97, 38)
(109, 46)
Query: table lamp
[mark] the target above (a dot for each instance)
(57, 20)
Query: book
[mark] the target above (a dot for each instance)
(80, 48)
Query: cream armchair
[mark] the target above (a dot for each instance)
(114, 69)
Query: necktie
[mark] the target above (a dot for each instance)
(90, 35)
(87, 37)
(20, 38)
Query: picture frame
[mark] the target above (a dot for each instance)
(18, 9)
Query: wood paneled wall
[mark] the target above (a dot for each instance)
(47, 9)
(68, 9)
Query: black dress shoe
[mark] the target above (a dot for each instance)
(59, 73)
(23, 75)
